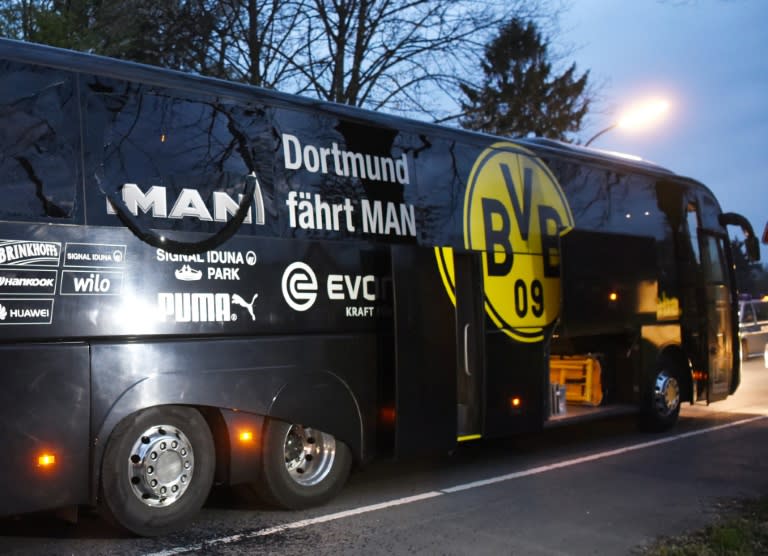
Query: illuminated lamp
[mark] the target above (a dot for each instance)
(46, 460)
(387, 415)
(245, 436)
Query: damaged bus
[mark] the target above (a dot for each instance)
(204, 282)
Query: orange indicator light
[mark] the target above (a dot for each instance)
(246, 436)
(46, 460)
(613, 296)
(516, 402)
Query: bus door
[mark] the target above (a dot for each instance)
(711, 307)
(470, 336)
(719, 318)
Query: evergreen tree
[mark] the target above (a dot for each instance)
(519, 94)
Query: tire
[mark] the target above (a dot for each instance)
(662, 403)
(301, 467)
(157, 470)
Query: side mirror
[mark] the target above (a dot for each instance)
(753, 248)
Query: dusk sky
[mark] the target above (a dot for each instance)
(709, 59)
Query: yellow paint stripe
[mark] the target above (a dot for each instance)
(469, 437)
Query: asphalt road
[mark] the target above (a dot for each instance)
(600, 488)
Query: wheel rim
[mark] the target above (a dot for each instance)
(309, 455)
(161, 465)
(666, 394)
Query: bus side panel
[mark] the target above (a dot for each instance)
(514, 370)
(326, 382)
(44, 409)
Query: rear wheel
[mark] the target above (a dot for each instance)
(301, 466)
(157, 470)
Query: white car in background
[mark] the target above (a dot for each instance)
(753, 327)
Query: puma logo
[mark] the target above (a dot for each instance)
(237, 300)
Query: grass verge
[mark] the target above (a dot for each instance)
(740, 529)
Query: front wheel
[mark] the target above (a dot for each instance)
(662, 405)
(301, 466)
(157, 470)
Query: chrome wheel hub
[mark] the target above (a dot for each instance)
(309, 455)
(666, 394)
(161, 465)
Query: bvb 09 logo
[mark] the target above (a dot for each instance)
(515, 212)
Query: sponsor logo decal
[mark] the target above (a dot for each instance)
(188, 274)
(27, 282)
(25, 311)
(300, 289)
(195, 307)
(85, 282)
(94, 255)
(188, 204)
(299, 285)
(515, 213)
(202, 307)
(237, 300)
(29, 253)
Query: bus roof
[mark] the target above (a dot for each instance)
(11, 49)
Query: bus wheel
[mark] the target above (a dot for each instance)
(301, 467)
(662, 406)
(157, 470)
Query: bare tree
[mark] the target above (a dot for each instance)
(404, 56)
(407, 56)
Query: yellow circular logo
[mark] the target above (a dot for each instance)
(515, 213)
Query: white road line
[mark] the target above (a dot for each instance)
(433, 494)
(597, 456)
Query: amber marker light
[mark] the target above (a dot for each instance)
(245, 437)
(46, 460)
(613, 296)
(515, 402)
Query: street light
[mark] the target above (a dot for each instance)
(636, 117)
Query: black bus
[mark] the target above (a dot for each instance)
(204, 282)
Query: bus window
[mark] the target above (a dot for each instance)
(634, 207)
(713, 259)
(693, 226)
(155, 138)
(39, 142)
